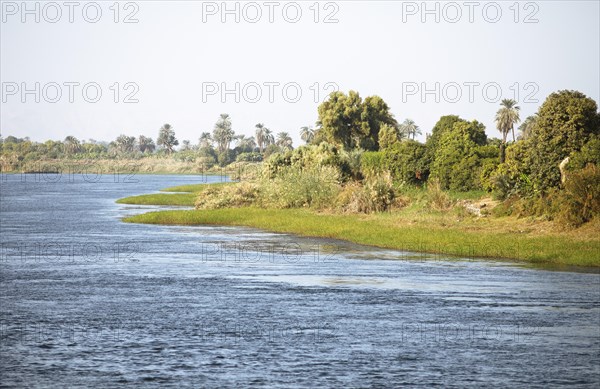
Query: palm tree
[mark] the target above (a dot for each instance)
(205, 140)
(269, 138)
(124, 143)
(408, 128)
(506, 117)
(284, 140)
(145, 144)
(260, 136)
(307, 134)
(245, 143)
(526, 128)
(223, 133)
(71, 144)
(166, 138)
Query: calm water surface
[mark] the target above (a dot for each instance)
(89, 301)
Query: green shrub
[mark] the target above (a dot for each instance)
(376, 195)
(294, 187)
(581, 199)
(223, 196)
(371, 163)
(249, 157)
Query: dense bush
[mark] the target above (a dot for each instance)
(581, 199)
(375, 195)
(296, 186)
(460, 155)
(249, 157)
(238, 195)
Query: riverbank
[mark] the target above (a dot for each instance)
(410, 229)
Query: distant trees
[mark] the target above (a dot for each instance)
(205, 140)
(526, 128)
(307, 134)
(284, 140)
(124, 144)
(146, 144)
(72, 145)
(166, 138)
(409, 128)
(264, 137)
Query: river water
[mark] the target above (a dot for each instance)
(89, 301)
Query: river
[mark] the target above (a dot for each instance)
(89, 301)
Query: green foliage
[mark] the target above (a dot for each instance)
(581, 199)
(566, 122)
(461, 152)
(407, 161)
(388, 136)
(295, 187)
(349, 122)
(371, 163)
(249, 157)
(226, 196)
(589, 153)
(166, 138)
(375, 195)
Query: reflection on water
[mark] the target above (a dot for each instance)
(89, 301)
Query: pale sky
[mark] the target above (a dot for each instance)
(180, 55)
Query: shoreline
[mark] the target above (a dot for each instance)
(384, 230)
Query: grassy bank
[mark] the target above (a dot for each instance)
(411, 230)
(185, 195)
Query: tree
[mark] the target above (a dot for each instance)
(348, 121)
(307, 134)
(125, 144)
(262, 136)
(223, 133)
(185, 145)
(145, 144)
(506, 117)
(205, 140)
(388, 136)
(166, 138)
(72, 145)
(526, 128)
(460, 155)
(284, 140)
(408, 128)
(244, 143)
(567, 120)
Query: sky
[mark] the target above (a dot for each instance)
(100, 70)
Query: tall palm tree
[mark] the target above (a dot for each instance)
(526, 128)
(506, 117)
(307, 134)
(284, 140)
(223, 133)
(408, 128)
(269, 138)
(205, 140)
(166, 138)
(260, 136)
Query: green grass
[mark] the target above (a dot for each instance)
(183, 199)
(187, 197)
(193, 188)
(391, 231)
